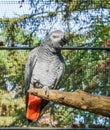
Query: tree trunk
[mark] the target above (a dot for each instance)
(77, 99)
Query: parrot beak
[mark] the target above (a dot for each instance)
(64, 40)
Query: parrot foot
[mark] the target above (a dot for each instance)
(46, 89)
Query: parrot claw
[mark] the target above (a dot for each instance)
(46, 89)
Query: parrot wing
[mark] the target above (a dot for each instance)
(31, 61)
(34, 104)
(60, 73)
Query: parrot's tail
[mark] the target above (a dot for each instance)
(33, 107)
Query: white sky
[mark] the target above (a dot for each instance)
(11, 8)
(7, 9)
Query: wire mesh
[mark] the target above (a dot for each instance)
(87, 57)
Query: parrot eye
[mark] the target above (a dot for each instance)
(54, 36)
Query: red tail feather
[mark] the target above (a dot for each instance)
(33, 108)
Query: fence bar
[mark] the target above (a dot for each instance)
(37, 128)
(63, 48)
(85, 48)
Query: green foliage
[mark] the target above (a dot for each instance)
(12, 66)
(14, 33)
(3, 65)
(64, 116)
(12, 110)
(86, 70)
(16, 66)
(100, 32)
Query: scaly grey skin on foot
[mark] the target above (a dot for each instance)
(46, 90)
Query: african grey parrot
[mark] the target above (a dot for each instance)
(44, 69)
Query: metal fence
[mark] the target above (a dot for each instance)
(18, 128)
(77, 74)
(63, 48)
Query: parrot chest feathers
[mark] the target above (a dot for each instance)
(47, 71)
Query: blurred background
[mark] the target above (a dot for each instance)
(25, 23)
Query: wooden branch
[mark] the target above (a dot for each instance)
(77, 99)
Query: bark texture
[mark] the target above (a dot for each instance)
(77, 99)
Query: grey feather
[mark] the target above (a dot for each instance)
(45, 65)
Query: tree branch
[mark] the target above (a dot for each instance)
(78, 99)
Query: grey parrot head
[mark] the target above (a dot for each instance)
(55, 40)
